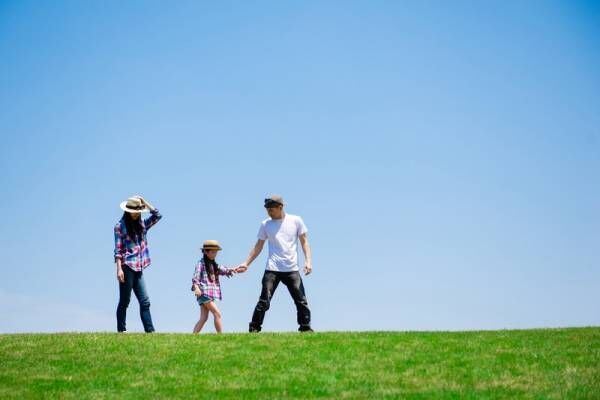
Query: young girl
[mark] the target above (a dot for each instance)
(206, 285)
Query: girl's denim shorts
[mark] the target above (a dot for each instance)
(203, 299)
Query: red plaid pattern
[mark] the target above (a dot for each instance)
(134, 254)
(209, 288)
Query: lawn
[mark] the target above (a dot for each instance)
(527, 364)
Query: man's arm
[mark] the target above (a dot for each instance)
(252, 256)
(307, 254)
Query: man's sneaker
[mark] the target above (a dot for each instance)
(305, 329)
(253, 329)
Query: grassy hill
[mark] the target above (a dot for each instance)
(528, 364)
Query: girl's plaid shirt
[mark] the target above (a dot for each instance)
(209, 288)
(134, 254)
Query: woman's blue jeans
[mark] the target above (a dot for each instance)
(133, 280)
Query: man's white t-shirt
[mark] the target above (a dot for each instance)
(282, 235)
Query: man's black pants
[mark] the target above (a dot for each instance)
(270, 281)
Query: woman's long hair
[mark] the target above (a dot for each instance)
(134, 227)
(212, 268)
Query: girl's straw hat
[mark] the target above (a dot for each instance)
(133, 205)
(211, 245)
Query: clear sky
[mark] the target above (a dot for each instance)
(445, 157)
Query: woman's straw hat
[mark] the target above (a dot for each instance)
(134, 205)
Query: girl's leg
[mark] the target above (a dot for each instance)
(203, 318)
(212, 307)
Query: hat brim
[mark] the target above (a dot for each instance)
(212, 248)
(123, 206)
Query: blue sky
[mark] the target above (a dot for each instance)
(444, 156)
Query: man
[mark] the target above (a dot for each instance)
(283, 231)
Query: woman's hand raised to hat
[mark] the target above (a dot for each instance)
(145, 202)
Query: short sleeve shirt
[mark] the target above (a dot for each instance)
(282, 236)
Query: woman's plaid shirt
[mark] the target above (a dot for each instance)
(131, 253)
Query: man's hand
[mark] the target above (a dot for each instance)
(120, 275)
(307, 254)
(307, 269)
(241, 268)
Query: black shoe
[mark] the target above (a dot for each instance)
(253, 329)
(305, 329)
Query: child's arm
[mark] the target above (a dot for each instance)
(226, 271)
(196, 290)
(196, 279)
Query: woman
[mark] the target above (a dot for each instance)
(132, 257)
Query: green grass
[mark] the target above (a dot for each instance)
(528, 364)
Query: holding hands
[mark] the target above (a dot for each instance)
(243, 267)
